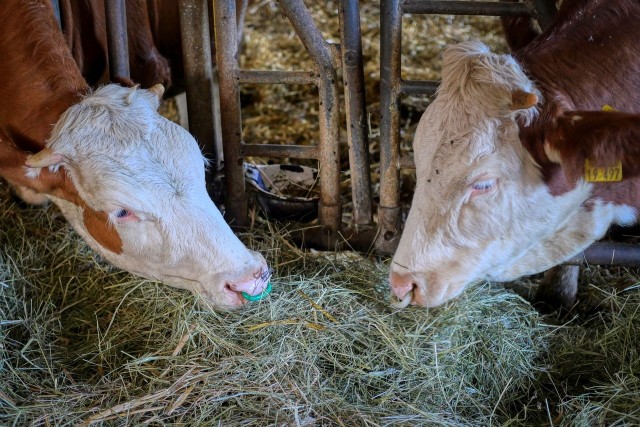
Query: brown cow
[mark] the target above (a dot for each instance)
(154, 41)
(129, 181)
(503, 184)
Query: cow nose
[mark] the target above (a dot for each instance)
(402, 287)
(255, 286)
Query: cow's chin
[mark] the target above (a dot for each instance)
(435, 295)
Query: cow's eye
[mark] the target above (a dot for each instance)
(124, 215)
(483, 186)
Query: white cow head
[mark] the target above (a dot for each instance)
(132, 184)
(481, 209)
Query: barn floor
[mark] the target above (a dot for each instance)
(82, 342)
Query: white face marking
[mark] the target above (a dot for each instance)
(481, 209)
(147, 174)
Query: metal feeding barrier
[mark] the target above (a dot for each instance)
(198, 46)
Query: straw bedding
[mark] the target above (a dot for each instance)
(82, 342)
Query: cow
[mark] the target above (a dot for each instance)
(524, 160)
(129, 181)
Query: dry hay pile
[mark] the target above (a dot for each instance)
(82, 342)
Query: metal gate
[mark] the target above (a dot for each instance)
(365, 235)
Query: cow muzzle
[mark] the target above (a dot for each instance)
(402, 289)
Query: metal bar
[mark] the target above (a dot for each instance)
(117, 44)
(330, 209)
(406, 162)
(196, 47)
(226, 36)
(353, 78)
(56, 12)
(419, 87)
(606, 253)
(423, 7)
(544, 11)
(391, 45)
(277, 77)
(275, 150)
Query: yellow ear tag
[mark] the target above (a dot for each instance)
(608, 174)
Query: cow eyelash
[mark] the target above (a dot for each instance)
(484, 185)
(123, 215)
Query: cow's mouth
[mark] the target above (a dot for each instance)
(401, 303)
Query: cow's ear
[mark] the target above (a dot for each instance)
(521, 99)
(44, 158)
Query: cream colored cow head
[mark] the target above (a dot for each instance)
(481, 210)
(132, 184)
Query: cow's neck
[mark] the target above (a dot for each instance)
(626, 192)
(40, 77)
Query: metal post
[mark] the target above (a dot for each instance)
(353, 77)
(226, 36)
(389, 208)
(117, 43)
(330, 209)
(196, 47)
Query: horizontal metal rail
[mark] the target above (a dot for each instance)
(277, 77)
(276, 150)
(424, 7)
(608, 253)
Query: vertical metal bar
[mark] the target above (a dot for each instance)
(330, 209)
(353, 78)
(390, 83)
(117, 44)
(56, 12)
(544, 11)
(196, 48)
(226, 36)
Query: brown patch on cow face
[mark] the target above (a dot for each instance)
(98, 226)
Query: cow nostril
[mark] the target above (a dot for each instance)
(398, 303)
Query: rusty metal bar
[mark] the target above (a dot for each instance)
(419, 87)
(117, 42)
(330, 209)
(275, 150)
(353, 78)
(406, 162)
(390, 51)
(465, 8)
(607, 253)
(196, 47)
(277, 77)
(226, 35)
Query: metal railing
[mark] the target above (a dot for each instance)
(198, 62)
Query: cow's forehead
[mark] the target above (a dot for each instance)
(445, 145)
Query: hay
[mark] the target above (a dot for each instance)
(82, 342)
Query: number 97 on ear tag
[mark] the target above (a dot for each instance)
(606, 174)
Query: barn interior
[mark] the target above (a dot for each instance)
(82, 342)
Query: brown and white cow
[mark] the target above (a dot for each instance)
(500, 154)
(129, 181)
